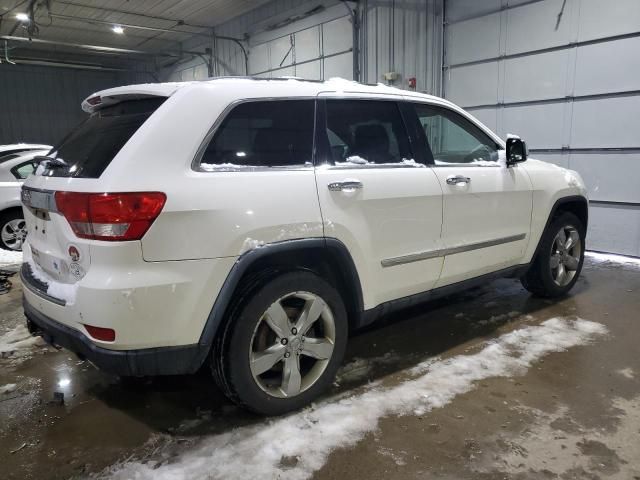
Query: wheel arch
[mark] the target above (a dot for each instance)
(576, 204)
(12, 208)
(328, 257)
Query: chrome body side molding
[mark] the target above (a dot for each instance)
(416, 257)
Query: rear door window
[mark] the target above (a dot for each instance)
(366, 132)
(275, 133)
(89, 149)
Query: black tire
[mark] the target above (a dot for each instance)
(230, 355)
(5, 218)
(539, 280)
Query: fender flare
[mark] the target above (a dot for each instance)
(561, 201)
(11, 206)
(246, 260)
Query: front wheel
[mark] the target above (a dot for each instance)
(283, 344)
(558, 263)
(13, 230)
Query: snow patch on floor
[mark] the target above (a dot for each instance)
(360, 368)
(585, 452)
(309, 436)
(502, 318)
(8, 257)
(18, 343)
(8, 388)
(398, 458)
(627, 373)
(600, 258)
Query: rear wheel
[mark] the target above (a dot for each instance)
(283, 344)
(13, 230)
(558, 263)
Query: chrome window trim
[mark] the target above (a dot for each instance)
(195, 163)
(462, 165)
(416, 257)
(250, 168)
(371, 166)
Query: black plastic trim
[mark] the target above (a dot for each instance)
(419, 144)
(36, 286)
(370, 316)
(149, 361)
(244, 262)
(554, 209)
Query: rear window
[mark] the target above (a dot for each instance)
(275, 133)
(91, 146)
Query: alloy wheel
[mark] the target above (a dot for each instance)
(566, 251)
(13, 233)
(292, 344)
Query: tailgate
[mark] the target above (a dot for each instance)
(54, 253)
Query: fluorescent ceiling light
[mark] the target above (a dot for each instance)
(23, 17)
(117, 29)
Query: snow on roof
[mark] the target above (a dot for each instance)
(295, 86)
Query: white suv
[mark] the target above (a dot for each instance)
(252, 224)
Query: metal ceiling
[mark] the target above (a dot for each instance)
(155, 26)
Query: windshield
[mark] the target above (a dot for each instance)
(89, 148)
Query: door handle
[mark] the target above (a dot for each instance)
(345, 186)
(458, 180)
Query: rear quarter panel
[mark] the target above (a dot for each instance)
(210, 214)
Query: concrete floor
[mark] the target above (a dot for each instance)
(570, 414)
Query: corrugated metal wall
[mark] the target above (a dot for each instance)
(230, 60)
(317, 47)
(41, 104)
(403, 36)
(400, 35)
(565, 75)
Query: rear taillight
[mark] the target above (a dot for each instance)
(110, 216)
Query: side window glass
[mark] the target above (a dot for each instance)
(366, 132)
(263, 134)
(23, 170)
(454, 139)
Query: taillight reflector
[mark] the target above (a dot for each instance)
(101, 333)
(110, 216)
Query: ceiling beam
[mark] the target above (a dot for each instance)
(94, 21)
(129, 12)
(101, 48)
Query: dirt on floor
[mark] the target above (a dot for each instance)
(571, 411)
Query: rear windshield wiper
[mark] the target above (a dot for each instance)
(49, 162)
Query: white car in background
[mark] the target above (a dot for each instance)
(22, 147)
(250, 225)
(16, 164)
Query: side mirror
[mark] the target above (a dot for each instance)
(516, 151)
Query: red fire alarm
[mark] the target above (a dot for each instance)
(412, 83)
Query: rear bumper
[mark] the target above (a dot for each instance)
(147, 361)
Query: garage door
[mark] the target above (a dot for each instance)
(565, 75)
(317, 47)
